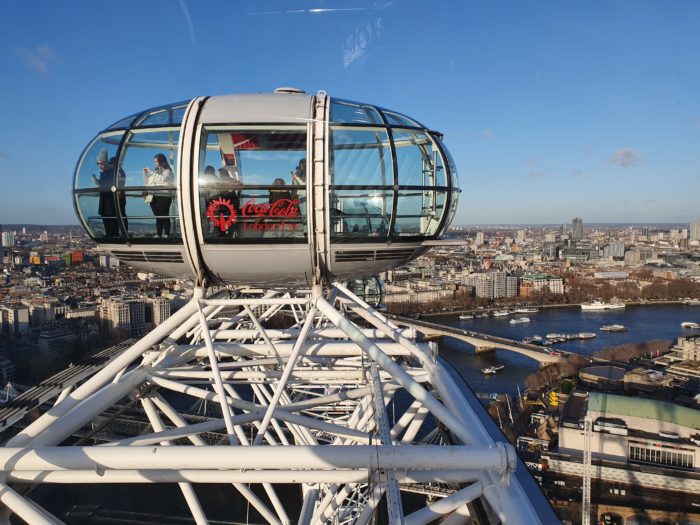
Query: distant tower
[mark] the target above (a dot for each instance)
(695, 230)
(577, 228)
(479, 238)
(564, 229)
(2, 250)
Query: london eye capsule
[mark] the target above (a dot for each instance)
(269, 189)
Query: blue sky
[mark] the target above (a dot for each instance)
(551, 109)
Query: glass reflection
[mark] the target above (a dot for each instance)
(419, 160)
(419, 212)
(141, 221)
(104, 147)
(361, 158)
(252, 184)
(353, 113)
(360, 214)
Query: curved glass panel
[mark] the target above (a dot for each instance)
(451, 164)
(397, 119)
(418, 159)
(353, 113)
(163, 116)
(96, 219)
(143, 219)
(419, 212)
(361, 157)
(96, 168)
(252, 184)
(147, 197)
(125, 122)
(360, 214)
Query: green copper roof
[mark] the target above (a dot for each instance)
(646, 408)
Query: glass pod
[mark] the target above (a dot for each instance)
(267, 189)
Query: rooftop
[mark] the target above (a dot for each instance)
(645, 408)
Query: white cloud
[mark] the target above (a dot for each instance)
(188, 19)
(37, 59)
(625, 158)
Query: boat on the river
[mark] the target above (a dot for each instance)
(520, 320)
(586, 335)
(613, 328)
(693, 302)
(690, 324)
(464, 317)
(526, 310)
(493, 369)
(600, 305)
(501, 313)
(482, 316)
(552, 337)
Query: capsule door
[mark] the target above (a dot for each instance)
(250, 194)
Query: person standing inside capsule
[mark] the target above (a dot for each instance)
(105, 206)
(160, 200)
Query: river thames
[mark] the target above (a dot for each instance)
(644, 323)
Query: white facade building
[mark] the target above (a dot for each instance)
(695, 230)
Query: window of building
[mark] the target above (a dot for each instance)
(662, 455)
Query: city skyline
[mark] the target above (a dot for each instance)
(550, 110)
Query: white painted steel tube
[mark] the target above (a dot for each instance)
(87, 409)
(288, 370)
(400, 375)
(131, 476)
(254, 458)
(445, 505)
(24, 508)
(105, 375)
(278, 414)
(507, 498)
(256, 302)
(460, 516)
(218, 382)
(343, 348)
(291, 333)
(307, 508)
(423, 356)
(187, 491)
(263, 375)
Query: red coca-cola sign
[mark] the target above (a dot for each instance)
(281, 209)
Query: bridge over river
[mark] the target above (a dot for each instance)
(483, 342)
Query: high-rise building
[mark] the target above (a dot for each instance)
(695, 230)
(161, 309)
(479, 238)
(577, 228)
(614, 249)
(564, 230)
(15, 319)
(128, 315)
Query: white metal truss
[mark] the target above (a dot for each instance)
(316, 391)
